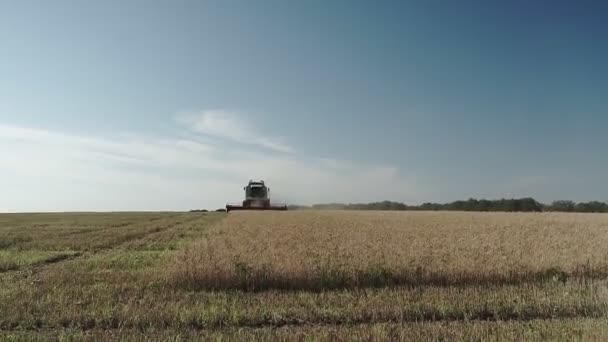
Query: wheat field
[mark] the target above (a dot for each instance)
(343, 249)
(303, 275)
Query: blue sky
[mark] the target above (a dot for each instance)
(151, 105)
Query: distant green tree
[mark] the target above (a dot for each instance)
(526, 204)
(562, 205)
(591, 207)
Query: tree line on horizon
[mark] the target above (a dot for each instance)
(526, 204)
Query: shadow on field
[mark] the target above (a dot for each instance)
(247, 278)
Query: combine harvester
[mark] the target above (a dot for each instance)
(257, 197)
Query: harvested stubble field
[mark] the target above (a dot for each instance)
(304, 275)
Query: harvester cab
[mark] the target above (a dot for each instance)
(257, 197)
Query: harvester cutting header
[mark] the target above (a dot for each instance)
(257, 197)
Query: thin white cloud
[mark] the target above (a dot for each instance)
(44, 170)
(232, 126)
